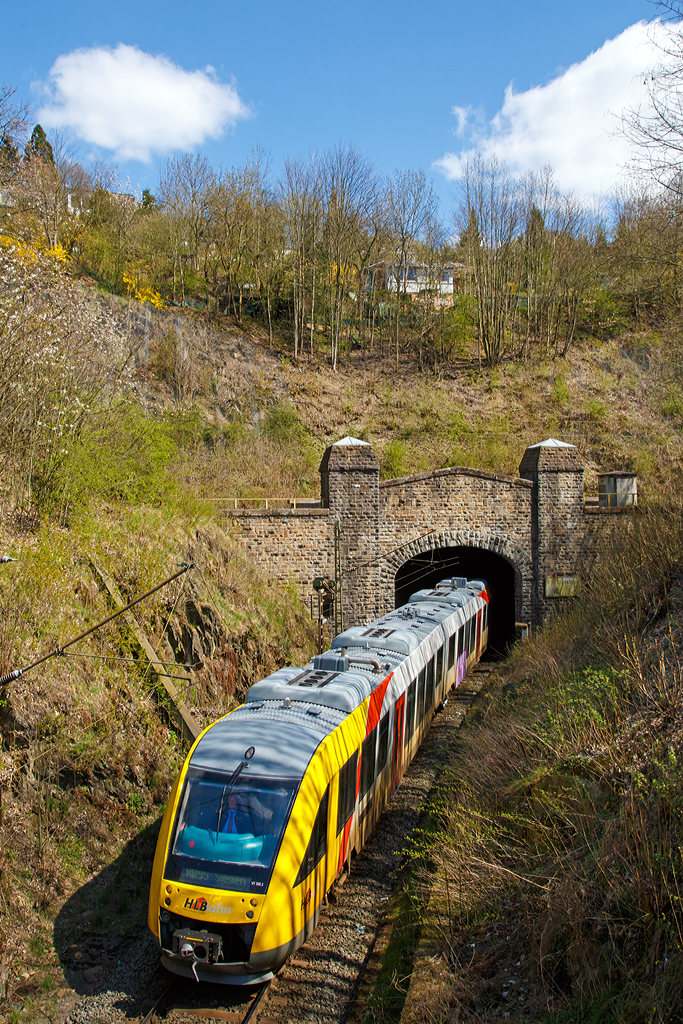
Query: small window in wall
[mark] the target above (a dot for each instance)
(439, 666)
(367, 762)
(461, 640)
(410, 710)
(347, 791)
(315, 851)
(451, 650)
(383, 743)
(412, 273)
(421, 679)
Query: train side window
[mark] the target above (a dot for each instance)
(317, 845)
(383, 744)
(429, 691)
(451, 650)
(439, 666)
(367, 762)
(421, 693)
(347, 791)
(410, 710)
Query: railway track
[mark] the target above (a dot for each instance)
(183, 1000)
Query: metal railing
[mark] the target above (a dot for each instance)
(608, 499)
(268, 503)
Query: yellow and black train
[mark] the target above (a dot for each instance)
(274, 797)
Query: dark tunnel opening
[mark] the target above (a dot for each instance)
(425, 570)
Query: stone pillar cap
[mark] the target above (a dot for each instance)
(350, 455)
(350, 442)
(552, 442)
(550, 456)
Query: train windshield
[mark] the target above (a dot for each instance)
(227, 835)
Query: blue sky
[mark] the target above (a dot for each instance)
(394, 79)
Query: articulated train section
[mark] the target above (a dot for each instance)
(274, 797)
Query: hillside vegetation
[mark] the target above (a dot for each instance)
(121, 424)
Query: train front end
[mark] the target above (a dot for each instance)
(212, 896)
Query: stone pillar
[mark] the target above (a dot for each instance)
(555, 469)
(349, 487)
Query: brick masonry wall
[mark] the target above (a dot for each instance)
(291, 545)
(350, 487)
(458, 507)
(536, 522)
(557, 519)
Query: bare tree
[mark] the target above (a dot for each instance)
(645, 256)
(371, 248)
(46, 191)
(658, 131)
(350, 189)
(489, 219)
(434, 254)
(184, 192)
(411, 205)
(14, 116)
(300, 196)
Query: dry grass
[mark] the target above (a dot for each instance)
(616, 399)
(557, 868)
(85, 757)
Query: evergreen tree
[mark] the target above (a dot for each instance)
(9, 158)
(38, 145)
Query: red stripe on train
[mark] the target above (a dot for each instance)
(374, 711)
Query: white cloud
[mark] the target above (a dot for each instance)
(135, 104)
(572, 122)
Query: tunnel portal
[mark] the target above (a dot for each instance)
(424, 571)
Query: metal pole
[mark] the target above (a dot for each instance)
(320, 624)
(338, 596)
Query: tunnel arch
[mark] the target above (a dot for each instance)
(506, 569)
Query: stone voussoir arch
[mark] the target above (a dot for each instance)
(519, 559)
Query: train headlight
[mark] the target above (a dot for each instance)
(254, 902)
(165, 916)
(250, 914)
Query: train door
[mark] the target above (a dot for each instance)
(462, 657)
(398, 743)
(478, 634)
(314, 865)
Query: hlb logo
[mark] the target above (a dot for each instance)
(199, 903)
(306, 900)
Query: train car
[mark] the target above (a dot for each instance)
(274, 797)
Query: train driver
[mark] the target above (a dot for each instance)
(236, 818)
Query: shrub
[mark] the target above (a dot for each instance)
(123, 456)
(282, 423)
(394, 460)
(59, 352)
